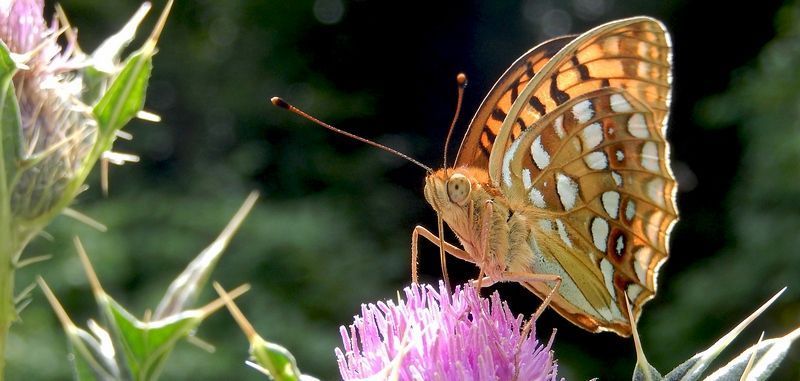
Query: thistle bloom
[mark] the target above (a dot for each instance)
(437, 335)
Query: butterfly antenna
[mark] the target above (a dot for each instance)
(277, 101)
(461, 79)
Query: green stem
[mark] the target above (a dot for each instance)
(9, 248)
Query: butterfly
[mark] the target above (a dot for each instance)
(562, 182)
(563, 175)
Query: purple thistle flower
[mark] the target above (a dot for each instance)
(436, 335)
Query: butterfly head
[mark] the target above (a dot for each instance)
(453, 193)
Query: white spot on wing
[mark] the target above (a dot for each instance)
(630, 210)
(562, 232)
(641, 264)
(620, 155)
(610, 202)
(620, 104)
(596, 160)
(592, 135)
(583, 111)
(633, 291)
(558, 125)
(567, 190)
(545, 224)
(620, 245)
(637, 126)
(608, 275)
(539, 154)
(600, 233)
(526, 178)
(643, 69)
(650, 156)
(536, 198)
(509, 155)
(655, 190)
(617, 178)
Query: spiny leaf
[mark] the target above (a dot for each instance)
(693, 368)
(184, 289)
(106, 57)
(766, 356)
(271, 359)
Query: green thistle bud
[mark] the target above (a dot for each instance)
(67, 110)
(58, 130)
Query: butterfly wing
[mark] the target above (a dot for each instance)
(632, 54)
(592, 172)
(593, 178)
(477, 143)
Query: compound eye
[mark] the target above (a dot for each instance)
(458, 189)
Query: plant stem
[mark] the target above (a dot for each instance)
(8, 251)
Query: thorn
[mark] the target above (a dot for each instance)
(59, 310)
(237, 314)
(94, 281)
(29, 261)
(210, 308)
(150, 45)
(752, 359)
(88, 221)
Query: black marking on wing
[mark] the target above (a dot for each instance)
(583, 71)
(559, 96)
(498, 115)
(537, 105)
(514, 90)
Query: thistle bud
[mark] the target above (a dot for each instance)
(58, 130)
(63, 107)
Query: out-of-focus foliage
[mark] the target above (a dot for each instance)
(332, 229)
(763, 249)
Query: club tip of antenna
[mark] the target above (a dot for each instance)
(278, 101)
(461, 78)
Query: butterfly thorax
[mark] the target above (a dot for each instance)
(477, 213)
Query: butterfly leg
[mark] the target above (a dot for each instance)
(540, 278)
(448, 247)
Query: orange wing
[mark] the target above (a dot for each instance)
(477, 143)
(593, 177)
(631, 54)
(582, 151)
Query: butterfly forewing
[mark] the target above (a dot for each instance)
(477, 143)
(631, 54)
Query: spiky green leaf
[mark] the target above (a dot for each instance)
(124, 98)
(146, 345)
(768, 355)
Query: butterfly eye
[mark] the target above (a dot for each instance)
(458, 188)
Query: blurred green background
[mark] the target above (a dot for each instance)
(332, 229)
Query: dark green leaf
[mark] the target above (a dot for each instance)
(146, 345)
(275, 359)
(124, 98)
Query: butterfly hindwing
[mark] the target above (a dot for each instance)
(595, 173)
